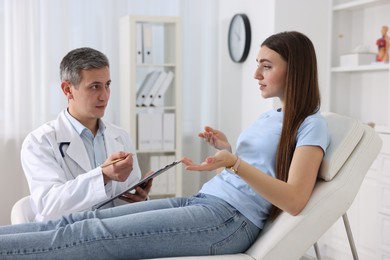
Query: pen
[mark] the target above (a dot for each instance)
(112, 162)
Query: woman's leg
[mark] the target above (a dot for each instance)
(103, 213)
(204, 225)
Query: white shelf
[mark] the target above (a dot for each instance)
(149, 65)
(359, 4)
(156, 152)
(164, 44)
(362, 68)
(361, 92)
(160, 108)
(382, 129)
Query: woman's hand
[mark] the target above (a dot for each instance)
(215, 138)
(222, 158)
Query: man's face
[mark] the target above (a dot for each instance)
(89, 100)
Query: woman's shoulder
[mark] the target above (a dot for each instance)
(315, 119)
(314, 131)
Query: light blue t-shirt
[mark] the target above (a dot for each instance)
(257, 146)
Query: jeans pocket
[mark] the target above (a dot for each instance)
(237, 242)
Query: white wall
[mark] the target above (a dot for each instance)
(240, 99)
(200, 81)
(239, 96)
(311, 18)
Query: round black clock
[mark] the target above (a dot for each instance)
(239, 38)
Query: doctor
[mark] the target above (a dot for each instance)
(62, 159)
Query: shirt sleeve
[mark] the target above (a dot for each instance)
(314, 132)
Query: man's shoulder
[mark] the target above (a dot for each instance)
(49, 128)
(46, 129)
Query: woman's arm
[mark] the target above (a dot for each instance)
(293, 195)
(290, 196)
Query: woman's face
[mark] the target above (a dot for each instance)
(271, 73)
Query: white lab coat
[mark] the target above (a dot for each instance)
(61, 185)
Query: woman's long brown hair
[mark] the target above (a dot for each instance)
(301, 94)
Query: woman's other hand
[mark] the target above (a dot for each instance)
(215, 138)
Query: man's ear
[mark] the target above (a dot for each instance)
(67, 89)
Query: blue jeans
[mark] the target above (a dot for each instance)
(198, 225)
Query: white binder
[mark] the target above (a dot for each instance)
(163, 179)
(159, 96)
(149, 131)
(155, 164)
(171, 176)
(153, 90)
(140, 43)
(146, 86)
(148, 43)
(168, 131)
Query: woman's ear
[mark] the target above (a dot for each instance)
(66, 87)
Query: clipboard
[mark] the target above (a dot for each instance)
(140, 183)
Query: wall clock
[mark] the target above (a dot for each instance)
(239, 38)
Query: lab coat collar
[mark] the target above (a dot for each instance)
(76, 149)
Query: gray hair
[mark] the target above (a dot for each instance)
(81, 59)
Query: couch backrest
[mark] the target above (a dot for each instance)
(345, 133)
(353, 148)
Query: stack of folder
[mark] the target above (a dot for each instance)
(153, 87)
(164, 184)
(156, 131)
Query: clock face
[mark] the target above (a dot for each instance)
(239, 37)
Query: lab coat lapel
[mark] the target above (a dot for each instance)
(77, 152)
(113, 141)
(76, 149)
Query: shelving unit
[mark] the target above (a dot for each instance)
(152, 44)
(358, 23)
(362, 92)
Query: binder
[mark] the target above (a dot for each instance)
(163, 179)
(144, 132)
(148, 43)
(168, 131)
(149, 132)
(155, 164)
(146, 86)
(140, 44)
(159, 96)
(153, 90)
(171, 176)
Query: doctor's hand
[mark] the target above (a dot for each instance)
(120, 170)
(141, 192)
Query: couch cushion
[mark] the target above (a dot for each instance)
(341, 145)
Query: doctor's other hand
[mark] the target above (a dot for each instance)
(222, 158)
(120, 170)
(141, 192)
(215, 138)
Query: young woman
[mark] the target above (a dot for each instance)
(274, 168)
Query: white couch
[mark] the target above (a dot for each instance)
(354, 146)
